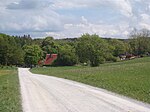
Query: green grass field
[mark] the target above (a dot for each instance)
(130, 78)
(9, 90)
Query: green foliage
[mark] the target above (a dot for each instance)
(140, 41)
(17, 57)
(88, 49)
(10, 51)
(118, 47)
(66, 56)
(33, 54)
(49, 46)
(130, 78)
(93, 49)
(38, 41)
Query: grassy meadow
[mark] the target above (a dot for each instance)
(130, 78)
(9, 90)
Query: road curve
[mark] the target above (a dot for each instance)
(50, 94)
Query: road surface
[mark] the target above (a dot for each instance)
(50, 94)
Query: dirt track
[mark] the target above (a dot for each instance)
(49, 94)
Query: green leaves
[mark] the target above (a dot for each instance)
(66, 56)
(33, 54)
(10, 52)
(140, 41)
(49, 46)
(91, 48)
(118, 47)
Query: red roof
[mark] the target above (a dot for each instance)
(50, 58)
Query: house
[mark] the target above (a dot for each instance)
(50, 58)
(122, 57)
(126, 56)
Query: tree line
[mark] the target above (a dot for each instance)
(86, 50)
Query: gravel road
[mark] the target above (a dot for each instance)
(50, 94)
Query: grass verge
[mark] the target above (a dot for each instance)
(9, 90)
(129, 78)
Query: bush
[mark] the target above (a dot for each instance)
(66, 60)
(66, 56)
(96, 60)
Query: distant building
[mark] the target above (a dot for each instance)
(50, 58)
(126, 56)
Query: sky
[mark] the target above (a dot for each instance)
(72, 18)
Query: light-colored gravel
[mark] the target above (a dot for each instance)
(50, 94)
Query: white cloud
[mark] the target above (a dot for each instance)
(144, 21)
(104, 30)
(29, 4)
(144, 26)
(145, 17)
(42, 17)
(124, 6)
(18, 20)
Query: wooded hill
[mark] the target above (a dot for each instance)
(87, 49)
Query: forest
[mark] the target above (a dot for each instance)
(88, 49)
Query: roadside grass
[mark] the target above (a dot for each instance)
(130, 78)
(9, 90)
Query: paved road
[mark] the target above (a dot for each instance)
(49, 94)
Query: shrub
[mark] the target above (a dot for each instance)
(66, 56)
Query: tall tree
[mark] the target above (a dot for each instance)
(119, 47)
(33, 54)
(140, 41)
(49, 46)
(4, 46)
(91, 48)
(66, 56)
(10, 51)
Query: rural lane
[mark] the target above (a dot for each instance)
(42, 93)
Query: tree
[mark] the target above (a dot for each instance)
(66, 56)
(23, 40)
(49, 46)
(91, 48)
(119, 47)
(17, 57)
(3, 51)
(140, 41)
(10, 51)
(33, 54)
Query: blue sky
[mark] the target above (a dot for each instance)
(72, 18)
